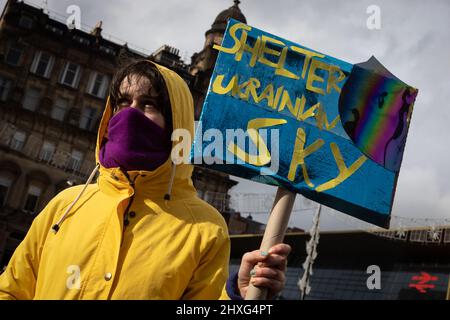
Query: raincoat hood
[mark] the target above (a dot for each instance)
(158, 182)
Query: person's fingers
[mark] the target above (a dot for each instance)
(281, 249)
(264, 269)
(254, 257)
(270, 284)
(249, 260)
(269, 273)
(274, 261)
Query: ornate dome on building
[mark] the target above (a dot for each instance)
(220, 23)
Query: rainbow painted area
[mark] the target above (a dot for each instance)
(375, 109)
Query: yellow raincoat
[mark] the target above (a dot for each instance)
(171, 249)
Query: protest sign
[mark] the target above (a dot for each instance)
(279, 113)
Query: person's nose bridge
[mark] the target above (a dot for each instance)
(135, 104)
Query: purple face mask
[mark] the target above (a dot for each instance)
(134, 142)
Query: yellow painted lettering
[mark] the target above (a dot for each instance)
(266, 94)
(280, 70)
(263, 157)
(250, 88)
(313, 77)
(286, 101)
(299, 155)
(308, 56)
(344, 171)
(277, 97)
(238, 43)
(279, 65)
(322, 120)
(231, 86)
(255, 51)
(264, 49)
(334, 79)
(302, 114)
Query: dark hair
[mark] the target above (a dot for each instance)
(158, 90)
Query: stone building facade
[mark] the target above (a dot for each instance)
(53, 84)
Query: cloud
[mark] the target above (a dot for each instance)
(419, 195)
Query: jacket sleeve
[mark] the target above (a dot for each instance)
(231, 290)
(208, 280)
(18, 281)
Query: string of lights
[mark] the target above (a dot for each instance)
(421, 230)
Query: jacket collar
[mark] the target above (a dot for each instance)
(149, 184)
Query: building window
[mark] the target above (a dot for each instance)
(13, 56)
(98, 84)
(71, 75)
(87, 120)
(47, 151)
(54, 29)
(73, 116)
(26, 22)
(59, 109)
(5, 185)
(32, 199)
(18, 140)
(31, 98)
(5, 87)
(42, 64)
(107, 50)
(82, 40)
(75, 160)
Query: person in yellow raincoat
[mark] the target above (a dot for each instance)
(140, 231)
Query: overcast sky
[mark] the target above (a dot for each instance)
(413, 43)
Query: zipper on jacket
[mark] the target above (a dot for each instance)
(126, 221)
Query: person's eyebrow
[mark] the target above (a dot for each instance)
(146, 97)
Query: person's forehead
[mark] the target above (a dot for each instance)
(135, 85)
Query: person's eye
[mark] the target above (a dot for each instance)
(150, 105)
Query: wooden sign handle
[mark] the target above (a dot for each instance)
(274, 233)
